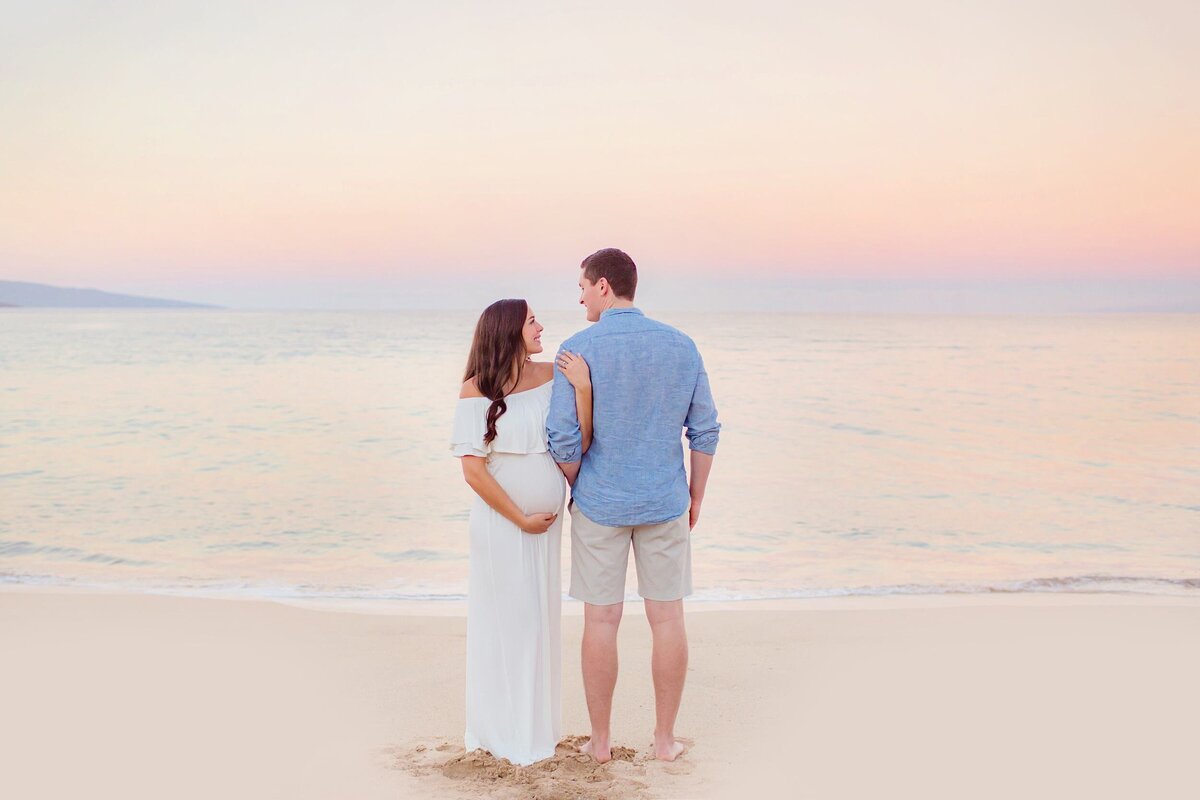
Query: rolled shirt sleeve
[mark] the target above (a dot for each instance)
(562, 422)
(703, 430)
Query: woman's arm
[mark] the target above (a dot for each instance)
(478, 478)
(576, 370)
(583, 407)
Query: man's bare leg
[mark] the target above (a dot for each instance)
(599, 657)
(669, 665)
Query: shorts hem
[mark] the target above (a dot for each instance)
(592, 602)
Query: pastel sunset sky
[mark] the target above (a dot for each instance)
(351, 154)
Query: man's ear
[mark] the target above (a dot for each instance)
(602, 285)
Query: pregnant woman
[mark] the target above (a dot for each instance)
(514, 663)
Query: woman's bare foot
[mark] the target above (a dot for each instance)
(599, 750)
(668, 748)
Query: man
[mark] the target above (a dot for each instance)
(630, 487)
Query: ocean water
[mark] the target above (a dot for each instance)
(305, 454)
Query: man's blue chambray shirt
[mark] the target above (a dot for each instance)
(648, 384)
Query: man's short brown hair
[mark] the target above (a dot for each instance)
(614, 266)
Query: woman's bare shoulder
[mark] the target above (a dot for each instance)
(469, 389)
(543, 370)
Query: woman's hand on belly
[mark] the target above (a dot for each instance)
(538, 523)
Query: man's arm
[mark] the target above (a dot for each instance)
(701, 466)
(570, 472)
(562, 427)
(703, 433)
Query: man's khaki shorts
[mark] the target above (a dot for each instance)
(662, 554)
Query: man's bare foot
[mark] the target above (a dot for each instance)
(601, 754)
(668, 749)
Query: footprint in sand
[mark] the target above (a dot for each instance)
(568, 774)
(680, 766)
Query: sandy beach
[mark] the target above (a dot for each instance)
(147, 696)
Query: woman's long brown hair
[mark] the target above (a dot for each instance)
(498, 348)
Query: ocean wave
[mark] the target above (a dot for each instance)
(9, 548)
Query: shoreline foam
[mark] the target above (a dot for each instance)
(1084, 590)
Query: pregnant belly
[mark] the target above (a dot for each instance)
(532, 480)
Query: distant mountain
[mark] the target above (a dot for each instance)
(40, 295)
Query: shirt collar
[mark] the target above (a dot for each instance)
(613, 311)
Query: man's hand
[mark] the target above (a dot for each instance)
(693, 513)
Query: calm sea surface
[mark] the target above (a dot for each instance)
(306, 453)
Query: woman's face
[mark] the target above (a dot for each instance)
(532, 333)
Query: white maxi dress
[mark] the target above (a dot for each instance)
(514, 595)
